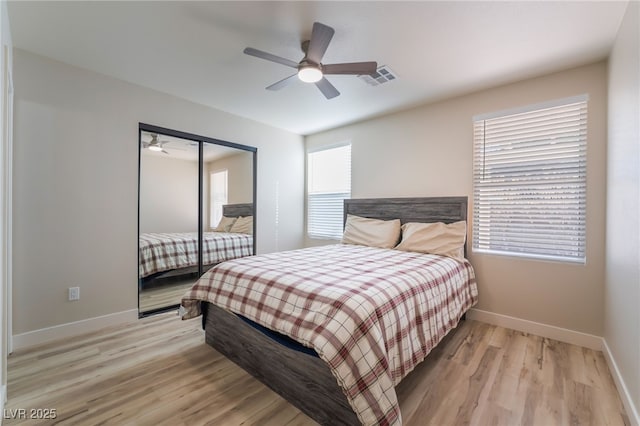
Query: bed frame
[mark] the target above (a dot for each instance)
(302, 379)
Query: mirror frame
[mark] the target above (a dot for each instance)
(150, 128)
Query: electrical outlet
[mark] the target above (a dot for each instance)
(74, 293)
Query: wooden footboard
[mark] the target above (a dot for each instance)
(303, 380)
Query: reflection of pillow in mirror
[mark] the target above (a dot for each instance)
(434, 238)
(244, 225)
(371, 232)
(225, 224)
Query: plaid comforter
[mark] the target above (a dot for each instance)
(371, 314)
(166, 251)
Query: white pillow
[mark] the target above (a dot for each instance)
(244, 225)
(434, 238)
(371, 232)
(225, 224)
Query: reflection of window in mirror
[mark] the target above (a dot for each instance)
(219, 196)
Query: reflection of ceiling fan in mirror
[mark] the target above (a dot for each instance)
(157, 145)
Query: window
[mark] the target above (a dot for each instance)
(218, 196)
(529, 179)
(328, 184)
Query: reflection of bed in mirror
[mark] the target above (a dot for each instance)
(168, 262)
(172, 254)
(329, 331)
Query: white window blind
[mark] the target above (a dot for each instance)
(328, 184)
(529, 175)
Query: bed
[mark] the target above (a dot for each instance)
(327, 327)
(163, 255)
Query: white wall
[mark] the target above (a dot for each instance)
(75, 186)
(622, 289)
(427, 151)
(168, 194)
(6, 145)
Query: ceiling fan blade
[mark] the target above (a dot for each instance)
(163, 150)
(321, 35)
(327, 89)
(283, 83)
(269, 57)
(354, 68)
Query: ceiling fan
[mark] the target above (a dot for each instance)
(310, 69)
(158, 145)
(154, 144)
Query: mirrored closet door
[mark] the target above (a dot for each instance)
(196, 209)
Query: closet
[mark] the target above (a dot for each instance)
(196, 208)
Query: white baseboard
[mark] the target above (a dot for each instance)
(549, 331)
(3, 399)
(62, 331)
(629, 406)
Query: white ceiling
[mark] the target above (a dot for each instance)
(193, 50)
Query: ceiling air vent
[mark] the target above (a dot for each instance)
(382, 75)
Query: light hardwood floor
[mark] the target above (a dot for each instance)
(158, 370)
(164, 295)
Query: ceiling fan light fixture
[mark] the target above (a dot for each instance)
(310, 74)
(310, 68)
(156, 148)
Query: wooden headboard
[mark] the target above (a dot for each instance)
(236, 210)
(424, 209)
